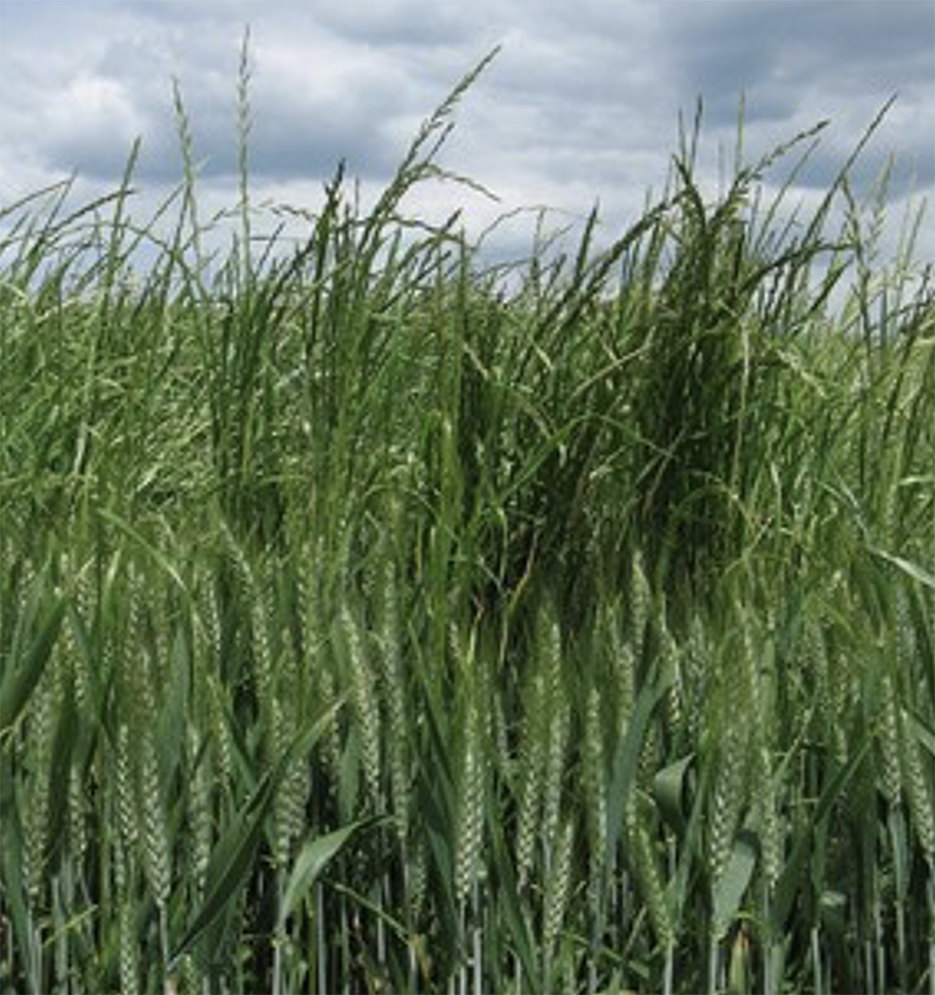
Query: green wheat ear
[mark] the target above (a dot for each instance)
(364, 702)
(395, 684)
(531, 775)
(469, 838)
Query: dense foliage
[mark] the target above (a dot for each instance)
(375, 620)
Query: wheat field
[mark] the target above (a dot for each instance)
(371, 623)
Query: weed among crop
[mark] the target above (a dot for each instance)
(367, 623)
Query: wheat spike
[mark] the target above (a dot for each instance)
(289, 805)
(558, 711)
(417, 862)
(555, 773)
(129, 944)
(77, 820)
(595, 777)
(760, 752)
(765, 801)
(888, 736)
(36, 835)
(557, 890)
(201, 818)
(220, 735)
(650, 881)
(364, 703)
(697, 671)
(674, 700)
(469, 838)
(728, 798)
(126, 802)
(531, 771)
(260, 623)
(921, 806)
(331, 740)
(640, 603)
(77, 655)
(395, 685)
(153, 831)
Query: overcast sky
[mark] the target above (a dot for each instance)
(581, 105)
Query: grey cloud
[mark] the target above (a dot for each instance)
(777, 47)
(292, 134)
(583, 100)
(392, 23)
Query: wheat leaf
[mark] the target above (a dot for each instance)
(733, 883)
(19, 683)
(312, 860)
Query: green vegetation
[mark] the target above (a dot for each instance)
(371, 622)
